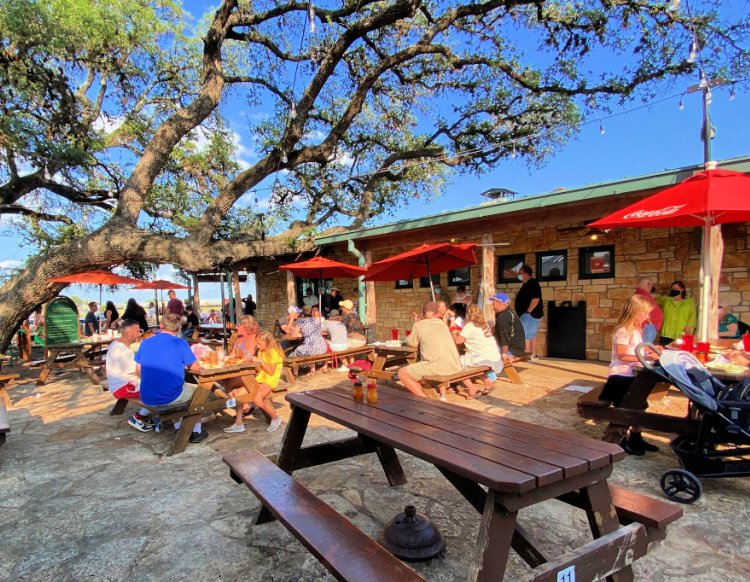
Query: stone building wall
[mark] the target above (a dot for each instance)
(662, 254)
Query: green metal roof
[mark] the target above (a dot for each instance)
(487, 209)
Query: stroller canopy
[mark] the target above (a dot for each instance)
(684, 371)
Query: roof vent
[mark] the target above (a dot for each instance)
(500, 194)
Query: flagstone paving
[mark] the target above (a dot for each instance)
(84, 496)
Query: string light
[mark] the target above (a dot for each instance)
(674, 5)
(709, 96)
(681, 105)
(731, 93)
(513, 153)
(284, 159)
(293, 111)
(602, 131)
(693, 56)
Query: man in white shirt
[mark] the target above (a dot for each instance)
(310, 300)
(124, 375)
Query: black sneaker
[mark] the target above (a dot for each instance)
(637, 441)
(632, 448)
(198, 437)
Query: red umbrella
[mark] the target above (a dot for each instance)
(423, 261)
(705, 199)
(320, 268)
(96, 278)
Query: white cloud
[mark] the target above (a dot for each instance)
(10, 264)
(245, 155)
(107, 123)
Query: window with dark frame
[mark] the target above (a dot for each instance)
(424, 282)
(508, 267)
(405, 284)
(596, 262)
(459, 277)
(552, 265)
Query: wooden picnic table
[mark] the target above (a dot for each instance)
(520, 464)
(214, 329)
(200, 404)
(388, 358)
(86, 355)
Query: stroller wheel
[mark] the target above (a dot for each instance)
(681, 486)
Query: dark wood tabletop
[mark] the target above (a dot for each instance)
(502, 453)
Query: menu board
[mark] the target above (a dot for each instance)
(61, 319)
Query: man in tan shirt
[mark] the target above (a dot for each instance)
(437, 351)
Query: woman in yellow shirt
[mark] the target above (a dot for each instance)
(270, 360)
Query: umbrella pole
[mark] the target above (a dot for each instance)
(156, 305)
(432, 287)
(98, 318)
(320, 298)
(223, 315)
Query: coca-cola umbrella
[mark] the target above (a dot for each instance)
(159, 285)
(321, 268)
(96, 278)
(423, 261)
(707, 198)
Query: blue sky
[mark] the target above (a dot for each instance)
(638, 140)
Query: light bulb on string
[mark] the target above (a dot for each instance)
(732, 94)
(693, 56)
(681, 105)
(602, 131)
(673, 5)
(284, 159)
(293, 111)
(709, 96)
(311, 17)
(513, 153)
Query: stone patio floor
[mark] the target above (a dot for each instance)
(84, 496)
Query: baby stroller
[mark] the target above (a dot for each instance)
(721, 446)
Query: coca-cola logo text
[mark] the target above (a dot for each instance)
(653, 213)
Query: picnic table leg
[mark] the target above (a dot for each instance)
(290, 447)
(86, 366)
(602, 517)
(388, 460)
(188, 421)
(119, 407)
(494, 541)
(46, 367)
(522, 541)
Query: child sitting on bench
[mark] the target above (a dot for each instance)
(481, 348)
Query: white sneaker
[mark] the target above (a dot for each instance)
(234, 428)
(275, 424)
(342, 369)
(443, 399)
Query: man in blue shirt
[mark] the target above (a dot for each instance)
(163, 359)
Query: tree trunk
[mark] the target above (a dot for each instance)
(117, 245)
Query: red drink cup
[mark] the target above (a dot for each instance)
(703, 348)
(407, 332)
(394, 334)
(746, 342)
(687, 342)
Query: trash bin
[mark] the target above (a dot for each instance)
(566, 330)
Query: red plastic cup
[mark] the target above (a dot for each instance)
(394, 334)
(746, 342)
(703, 347)
(407, 332)
(687, 342)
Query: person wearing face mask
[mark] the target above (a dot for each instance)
(679, 313)
(529, 308)
(655, 318)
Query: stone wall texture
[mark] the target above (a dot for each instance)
(662, 254)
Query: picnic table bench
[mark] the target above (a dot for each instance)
(442, 383)
(6, 380)
(292, 364)
(343, 549)
(499, 465)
